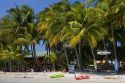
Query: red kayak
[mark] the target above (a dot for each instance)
(81, 77)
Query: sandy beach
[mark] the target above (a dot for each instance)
(41, 77)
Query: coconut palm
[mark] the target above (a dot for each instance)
(8, 55)
(51, 22)
(70, 26)
(84, 28)
(24, 26)
(113, 14)
(35, 39)
(52, 58)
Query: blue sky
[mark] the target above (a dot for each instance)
(37, 5)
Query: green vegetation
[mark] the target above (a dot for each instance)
(72, 32)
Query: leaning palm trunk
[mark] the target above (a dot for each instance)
(114, 48)
(77, 55)
(94, 59)
(80, 55)
(113, 38)
(66, 56)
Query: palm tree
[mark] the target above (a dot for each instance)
(6, 39)
(51, 22)
(75, 24)
(24, 23)
(8, 56)
(83, 28)
(70, 26)
(35, 39)
(52, 58)
(113, 13)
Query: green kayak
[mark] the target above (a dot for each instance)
(56, 75)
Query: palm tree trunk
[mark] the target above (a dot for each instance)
(22, 65)
(47, 48)
(34, 56)
(80, 55)
(104, 45)
(54, 66)
(94, 59)
(77, 55)
(18, 66)
(113, 38)
(105, 50)
(10, 66)
(32, 53)
(32, 50)
(114, 48)
(5, 67)
(106, 57)
(66, 56)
